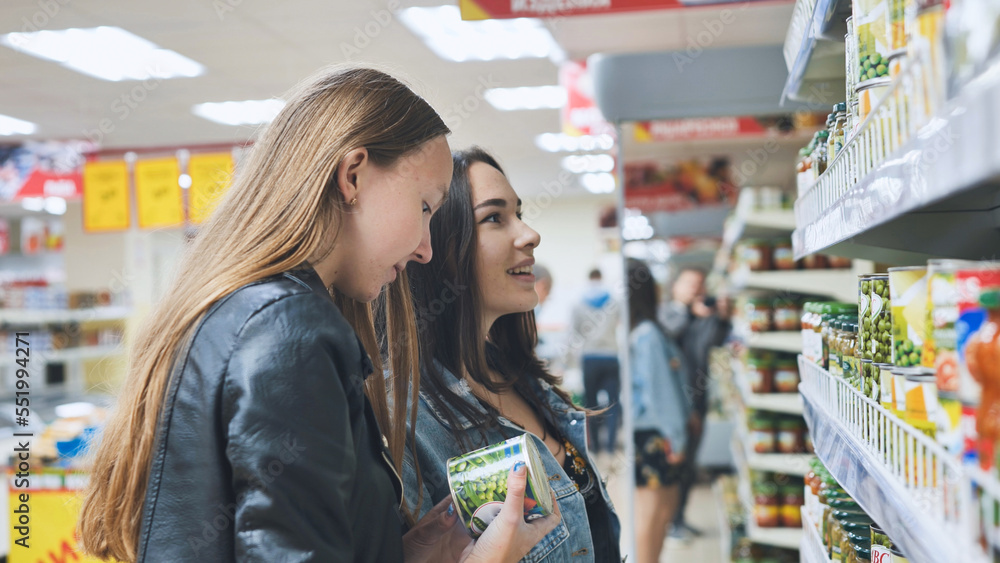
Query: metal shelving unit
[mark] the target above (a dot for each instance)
(912, 191)
(788, 403)
(837, 284)
(62, 316)
(814, 51)
(811, 550)
(921, 496)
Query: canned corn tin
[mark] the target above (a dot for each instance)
(908, 294)
(478, 482)
(921, 394)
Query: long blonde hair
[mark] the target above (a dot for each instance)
(283, 209)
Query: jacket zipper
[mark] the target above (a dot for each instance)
(402, 490)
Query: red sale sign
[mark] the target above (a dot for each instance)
(507, 9)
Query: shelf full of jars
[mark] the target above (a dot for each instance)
(916, 133)
(837, 528)
(901, 391)
(740, 539)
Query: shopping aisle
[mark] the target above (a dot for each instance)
(702, 514)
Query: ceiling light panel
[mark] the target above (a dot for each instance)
(561, 142)
(247, 112)
(444, 32)
(14, 126)
(106, 52)
(527, 97)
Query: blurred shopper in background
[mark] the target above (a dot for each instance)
(543, 284)
(697, 323)
(660, 411)
(593, 345)
(248, 396)
(481, 381)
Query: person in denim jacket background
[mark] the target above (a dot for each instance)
(660, 410)
(481, 381)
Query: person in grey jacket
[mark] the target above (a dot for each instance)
(249, 429)
(697, 324)
(481, 381)
(660, 412)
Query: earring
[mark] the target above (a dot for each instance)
(353, 202)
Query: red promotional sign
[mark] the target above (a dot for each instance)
(694, 129)
(580, 115)
(506, 9)
(677, 186)
(48, 184)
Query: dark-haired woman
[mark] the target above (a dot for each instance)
(481, 382)
(660, 412)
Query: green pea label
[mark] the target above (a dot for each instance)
(876, 304)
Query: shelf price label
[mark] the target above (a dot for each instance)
(210, 176)
(105, 197)
(158, 193)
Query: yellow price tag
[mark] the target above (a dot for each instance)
(210, 175)
(158, 193)
(105, 196)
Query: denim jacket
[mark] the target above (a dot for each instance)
(571, 541)
(658, 389)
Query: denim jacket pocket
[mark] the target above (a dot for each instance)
(550, 542)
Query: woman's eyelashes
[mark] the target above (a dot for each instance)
(496, 217)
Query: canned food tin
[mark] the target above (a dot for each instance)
(908, 290)
(880, 538)
(896, 30)
(921, 394)
(881, 554)
(897, 556)
(940, 341)
(880, 326)
(949, 420)
(926, 44)
(887, 389)
(898, 390)
(864, 314)
(870, 17)
(870, 93)
(478, 482)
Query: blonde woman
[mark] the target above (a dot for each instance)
(248, 428)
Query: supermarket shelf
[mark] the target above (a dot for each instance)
(56, 316)
(789, 538)
(753, 224)
(934, 196)
(779, 341)
(839, 284)
(811, 549)
(788, 403)
(814, 51)
(743, 454)
(922, 511)
(69, 354)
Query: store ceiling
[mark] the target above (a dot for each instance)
(256, 49)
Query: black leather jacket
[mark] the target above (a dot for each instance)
(268, 449)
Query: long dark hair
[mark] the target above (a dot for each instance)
(449, 311)
(643, 298)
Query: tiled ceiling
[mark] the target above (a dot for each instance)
(255, 49)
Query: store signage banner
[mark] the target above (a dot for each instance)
(580, 115)
(105, 196)
(210, 175)
(678, 186)
(674, 130)
(158, 193)
(507, 9)
(52, 526)
(42, 169)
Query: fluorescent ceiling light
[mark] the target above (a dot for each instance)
(602, 183)
(527, 97)
(106, 52)
(636, 226)
(579, 164)
(14, 126)
(249, 112)
(561, 142)
(444, 32)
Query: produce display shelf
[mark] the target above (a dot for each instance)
(28, 317)
(838, 284)
(908, 483)
(811, 549)
(788, 403)
(789, 538)
(913, 191)
(69, 354)
(814, 51)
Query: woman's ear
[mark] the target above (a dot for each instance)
(353, 163)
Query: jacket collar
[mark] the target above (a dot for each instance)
(462, 389)
(307, 277)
